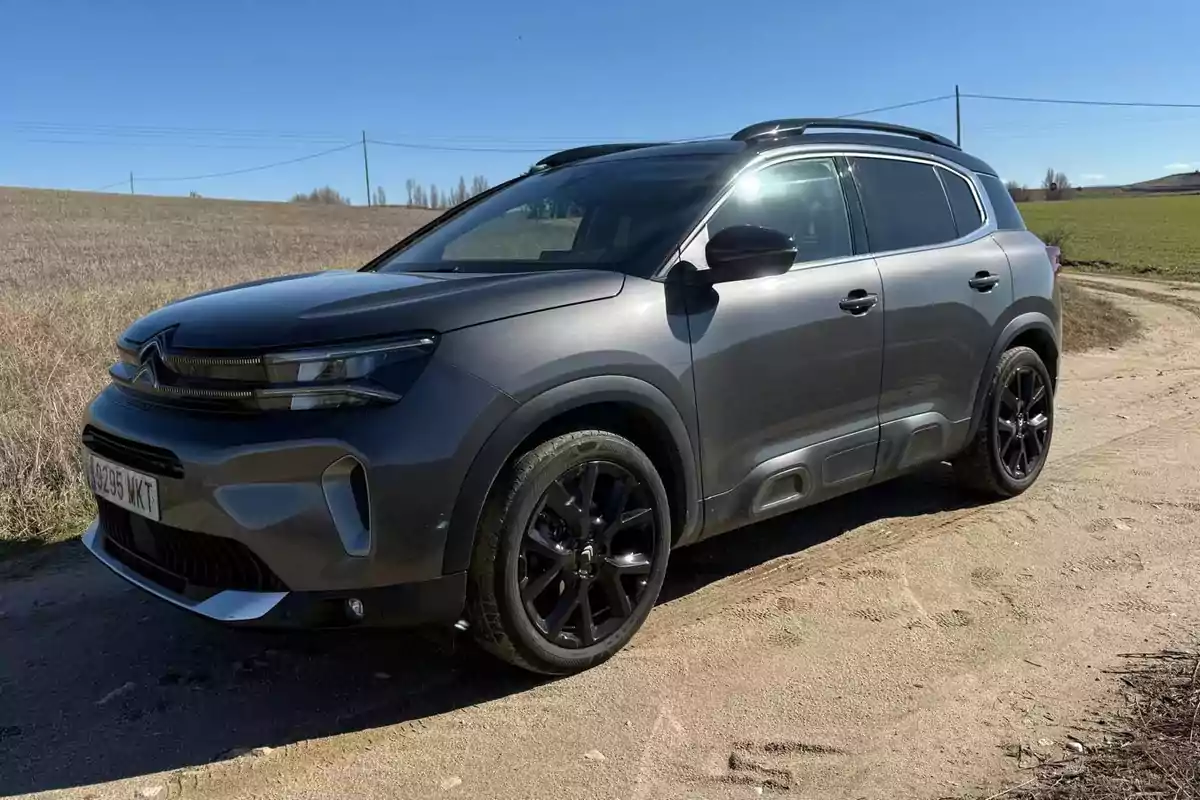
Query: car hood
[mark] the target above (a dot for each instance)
(340, 305)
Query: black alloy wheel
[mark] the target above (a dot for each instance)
(570, 554)
(587, 554)
(1023, 423)
(1010, 447)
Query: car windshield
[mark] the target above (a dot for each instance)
(620, 214)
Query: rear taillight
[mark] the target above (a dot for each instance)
(1054, 253)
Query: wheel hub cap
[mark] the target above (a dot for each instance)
(585, 565)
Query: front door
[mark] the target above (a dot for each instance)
(787, 367)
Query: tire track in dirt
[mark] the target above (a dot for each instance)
(878, 537)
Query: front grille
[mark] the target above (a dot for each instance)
(135, 455)
(185, 562)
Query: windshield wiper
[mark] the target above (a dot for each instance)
(437, 269)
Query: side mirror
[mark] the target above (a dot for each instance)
(746, 251)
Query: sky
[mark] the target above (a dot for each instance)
(96, 90)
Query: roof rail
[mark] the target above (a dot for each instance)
(587, 151)
(794, 127)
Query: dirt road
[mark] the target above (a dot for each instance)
(898, 643)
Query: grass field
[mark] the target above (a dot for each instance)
(77, 268)
(1158, 236)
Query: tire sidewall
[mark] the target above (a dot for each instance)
(1022, 358)
(525, 636)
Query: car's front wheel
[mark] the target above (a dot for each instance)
(571, 553)
(1010, 449)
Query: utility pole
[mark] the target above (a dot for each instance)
(957, 117)
(131, 181)
(366, 169)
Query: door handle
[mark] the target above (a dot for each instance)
(858, 302)
(983, 281)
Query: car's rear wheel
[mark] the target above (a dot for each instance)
(571, 553)
(1010, 449)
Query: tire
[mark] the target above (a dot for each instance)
(1016, 418)
(536, 555)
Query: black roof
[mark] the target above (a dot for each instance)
(754, 146)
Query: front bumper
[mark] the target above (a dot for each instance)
(261, 482)
(427, 602)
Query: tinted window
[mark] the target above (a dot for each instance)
(1008, 218)
(904, 203)
(801, 198)
(623, 214)
(962, 202)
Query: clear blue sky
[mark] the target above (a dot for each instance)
(93, 90)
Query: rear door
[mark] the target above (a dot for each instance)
(786, 367)
(946, 284)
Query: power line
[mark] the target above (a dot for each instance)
(296, 136)
(141, 132)
(101, 129)
(463, 149)
(909, 104)
(1066, 102)
(166, 145)
(109, 185)
(308, 157)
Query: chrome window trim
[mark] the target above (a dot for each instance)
(808, 151)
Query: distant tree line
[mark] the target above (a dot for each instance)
(418, 195)
(433, 197)
(1055, 186)
(326, 195)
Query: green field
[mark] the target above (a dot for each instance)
(1134, 235)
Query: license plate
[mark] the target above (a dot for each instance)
(123, 487)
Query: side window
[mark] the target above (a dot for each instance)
(904, 204)
(962, 202)
(802, 198)
(1008, 218)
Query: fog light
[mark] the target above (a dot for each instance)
(354, 609)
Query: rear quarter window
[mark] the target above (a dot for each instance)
(967, 216)
(1008, 218)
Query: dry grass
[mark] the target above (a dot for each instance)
(1092, 321)
(76, 268)
(1149, 749)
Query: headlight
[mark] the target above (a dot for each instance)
(343, 375)
(320, 377)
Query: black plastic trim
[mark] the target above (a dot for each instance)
(135, 455)
(439, 601)
(574, 154)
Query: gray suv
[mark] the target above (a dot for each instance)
(510, 419)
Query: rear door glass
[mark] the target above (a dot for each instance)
(904, 204)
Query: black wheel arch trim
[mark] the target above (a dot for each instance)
(532, 414)
(1018, 325)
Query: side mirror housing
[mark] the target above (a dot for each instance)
(740, 252)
